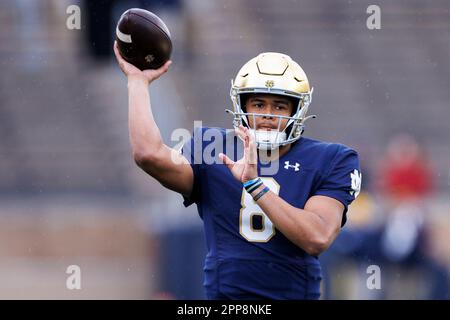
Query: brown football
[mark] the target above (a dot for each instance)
(143, 39)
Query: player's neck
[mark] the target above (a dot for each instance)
(271, 155)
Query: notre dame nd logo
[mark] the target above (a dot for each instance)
(356, 182)
(149, 58)
(270, 83)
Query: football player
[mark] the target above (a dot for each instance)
(264, 227)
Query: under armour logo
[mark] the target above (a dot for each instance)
(296, 166)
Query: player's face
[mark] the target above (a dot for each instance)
(269, 104)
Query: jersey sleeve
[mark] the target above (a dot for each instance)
(343, 181)
(192, 151)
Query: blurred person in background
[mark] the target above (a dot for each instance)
(405, 182)
(389, 229)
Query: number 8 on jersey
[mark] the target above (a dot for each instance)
(250, 209)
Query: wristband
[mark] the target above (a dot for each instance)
(250, 182)
(254, 186)
(261, 193)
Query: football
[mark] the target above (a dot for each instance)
(143, 39)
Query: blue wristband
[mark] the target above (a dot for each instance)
(254, 186)
(250, 182)
(261, 193)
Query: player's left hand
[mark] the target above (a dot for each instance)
(246, 168)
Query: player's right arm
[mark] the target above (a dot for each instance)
(150, 153)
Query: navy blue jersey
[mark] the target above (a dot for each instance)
(248, 258)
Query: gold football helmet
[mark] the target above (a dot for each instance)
(278, 74)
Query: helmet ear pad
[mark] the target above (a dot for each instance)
(295, 102)
(243, 101)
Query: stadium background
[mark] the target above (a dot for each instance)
(70, 193)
